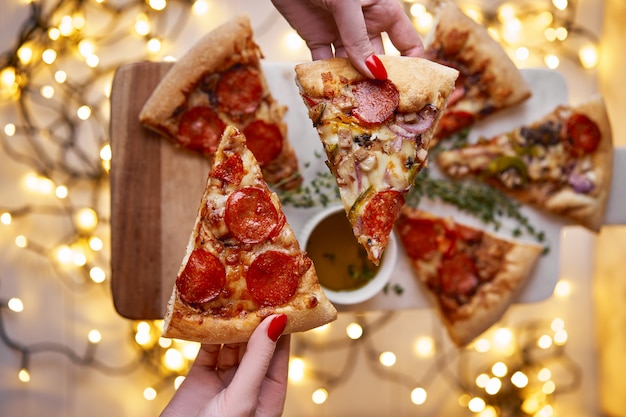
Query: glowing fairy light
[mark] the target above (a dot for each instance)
(476, 404)
(23, 375)
(561, 33)
(10, 129)
(506, 12)
(293, 41)
(552, 61)
(322, 329)
(15, 304)
(319, 396)
(165, 343)
(60, 76)
(387, 359)
(544, 375)
(173, 360)
(149, 393)
(86, 219)
(54, 34)
(6, 218)
(418, 396)
(154, 45)
(47, 91)
(97, 274)
(21, 241)
(79, 258)
(544, 342)
(92, 61)
(83, 112)
(425, 347)
(493, 386)
(560, 4)
(25, 54)
(548, 387)
(157, 5)
(482, 380)
(296, 369)
(522, 53)
(190, 350)
(178, 381)
(61, 191)
(8, 76)
(64, 254)
(560, 337)
(49, 56)
(488, 411)
(354, 331)
(143, 339)
(142, 25)
(519, 379)
(200, 7)
(86, 47)
(499, 369)
(588, 56)
(105, 153)
(96, 244)
(66, 27)
(94, 336)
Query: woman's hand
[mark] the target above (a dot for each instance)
(237, 380)
(352, 29)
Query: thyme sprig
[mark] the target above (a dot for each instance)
(321, 191)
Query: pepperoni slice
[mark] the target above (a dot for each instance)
(230, 171)
(264, 140)
(458, 276)
(202, 279)
(239, 90)
(381, 213)
(419, 236)
(250, 215)
(377, 100)
(273, 277)
(453, 121)
(200, 129)
(581, 134)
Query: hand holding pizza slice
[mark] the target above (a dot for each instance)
(375, 133)
(243, 262)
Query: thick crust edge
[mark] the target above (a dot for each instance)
(419, 80)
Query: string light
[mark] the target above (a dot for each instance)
(418, 396)
(319, 396)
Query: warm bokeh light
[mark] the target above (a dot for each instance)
(319, 396)
(387, 359)
(418, 396)
(354, 331)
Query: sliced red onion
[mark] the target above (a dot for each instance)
(580, 183)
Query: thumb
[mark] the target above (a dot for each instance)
(243, 391)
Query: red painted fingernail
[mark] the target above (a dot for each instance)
(277, 326)
(375, 65)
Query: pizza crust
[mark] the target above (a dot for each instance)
(493, 299)
(229, 43)
(184, 322)
(401, 70)
(482, 54)
(589, 209)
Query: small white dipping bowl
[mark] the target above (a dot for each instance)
(374, 285)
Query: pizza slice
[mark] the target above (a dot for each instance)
(488, 82)
(243, 261)
(562, 163)
(472, 276)
(217, 83)
(375, 134)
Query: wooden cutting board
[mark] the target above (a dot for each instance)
(151, 215)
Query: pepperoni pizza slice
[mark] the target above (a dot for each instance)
(488, 82)
(217, 83)
(243, 261)
(562, 163)
(472, 276)
(375, 133)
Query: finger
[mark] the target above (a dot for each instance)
(207, 356)
(350, 22)
(229, 356)
(403, 35)
(321, 52)
(243, 391)
(279, 366)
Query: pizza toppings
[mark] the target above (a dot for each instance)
(239, 90)
(251, 216)
(264, 140)
(202, 279)
(200, 129)
(377, 100)
(380, 214)
(273, 277)
(581, 134)
(230, 171)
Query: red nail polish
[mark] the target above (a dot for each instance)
(276, 327)
(375, 65)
